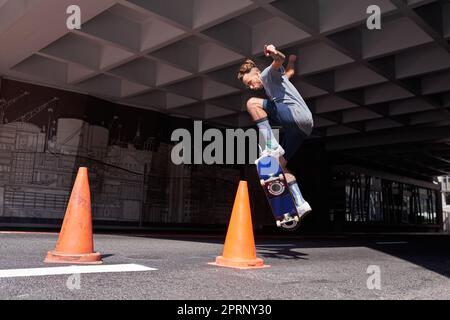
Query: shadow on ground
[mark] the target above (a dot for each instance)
(431, 252)
(280, 252)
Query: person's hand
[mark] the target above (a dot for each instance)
(269, 50)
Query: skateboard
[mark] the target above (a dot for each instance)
(277, 191)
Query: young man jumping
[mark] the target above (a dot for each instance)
(285, 107)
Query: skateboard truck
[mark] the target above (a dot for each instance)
(289, 222)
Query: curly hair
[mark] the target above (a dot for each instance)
(245, 68)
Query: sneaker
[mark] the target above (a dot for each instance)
(303, 210)
(277, 153)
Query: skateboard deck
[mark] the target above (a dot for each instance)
(277, 191)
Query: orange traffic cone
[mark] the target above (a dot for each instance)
(239, 250)
(75, 243)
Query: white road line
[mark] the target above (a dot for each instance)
(33, 272)
(397, 242)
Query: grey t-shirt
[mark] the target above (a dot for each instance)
(282, 91)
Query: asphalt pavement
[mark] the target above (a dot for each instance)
(300, 268)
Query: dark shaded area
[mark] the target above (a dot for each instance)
(93, 110)
(312, 165)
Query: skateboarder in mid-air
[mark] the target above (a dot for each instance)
(285, 107)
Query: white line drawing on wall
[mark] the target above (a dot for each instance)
(38, 167)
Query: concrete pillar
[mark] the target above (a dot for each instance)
(2, 200)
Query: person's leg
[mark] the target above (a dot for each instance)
(255, 109)
(292, 183)
(258, 110)
(293, 139)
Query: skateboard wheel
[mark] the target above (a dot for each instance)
(278, 223)
(281, 177)
(297, 219)
(291, 226)
(263, 183)
(276, 188)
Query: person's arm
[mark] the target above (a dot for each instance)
(277, 56)
(290, 69)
